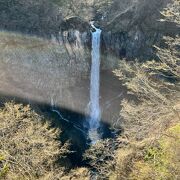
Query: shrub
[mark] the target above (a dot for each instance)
(29, 148)
(155, 85)
(151, 118)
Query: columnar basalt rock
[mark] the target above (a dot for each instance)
(131, 28)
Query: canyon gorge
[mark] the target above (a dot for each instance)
(61, 59)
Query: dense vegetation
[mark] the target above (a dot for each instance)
(44, 17)
(39, 17)
(30, 148)
(150, 142)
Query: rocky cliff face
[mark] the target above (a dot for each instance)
(49, 67)
(43, 70)
(55, 73)
(57, 67)
(131, 28)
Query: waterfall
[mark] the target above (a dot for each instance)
(94, 108)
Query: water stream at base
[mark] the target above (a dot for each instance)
(94, 107)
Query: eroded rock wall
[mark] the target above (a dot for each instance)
(44, 70)
(131, 28)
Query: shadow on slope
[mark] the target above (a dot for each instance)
(71, 124)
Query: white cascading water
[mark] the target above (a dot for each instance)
(95, 112)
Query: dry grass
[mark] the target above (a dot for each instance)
(151, 159)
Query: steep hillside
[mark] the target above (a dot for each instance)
(30, 148)
(131, 28)
(45, 62)
(41, 70)
(148, 147)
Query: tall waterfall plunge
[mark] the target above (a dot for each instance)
(95, 112)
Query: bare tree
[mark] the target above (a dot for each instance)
(155, 84)
(28, 146)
